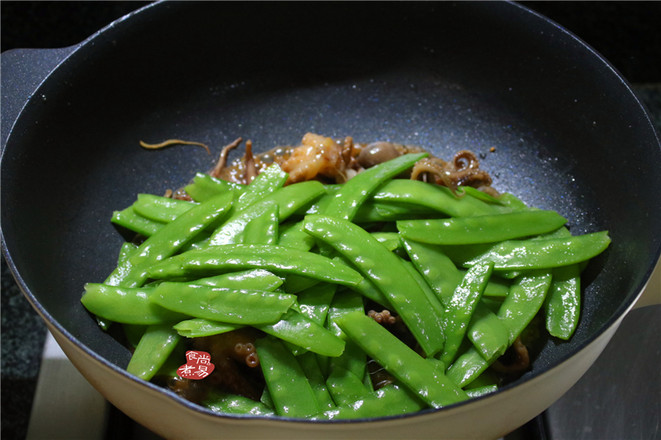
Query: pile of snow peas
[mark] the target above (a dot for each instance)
(465, 272)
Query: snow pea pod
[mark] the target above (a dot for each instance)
(386, 271)
(160, 209)
(168, 240)
(345, 387)
(205, 187)
(369, 290)
(544, 253)
(129, 219)
(125, 252)
(127, 305)
(239, 256)
(512, 202)
(310, 366)
(481, 391)
(315, 301)
(460, 308)
(435, 197)
(290, 391)
(524, 301)
(480, 195)
(353, 359)
(434, 301)
(387, 401)
(266, 182)
(221, 304)
(292, 235)
(488, 333)
(412, 370)
(199, 328)
(519, 308)
(153, 350)
(297, 329)
(263, 229)
(439, 271)
(390, 240)
(355, 191)
(289, 199)
(373, 211)
(252, 279)
(563, 303)
(481, 229)
(235, 404)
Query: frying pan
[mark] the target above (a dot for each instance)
(568, 132)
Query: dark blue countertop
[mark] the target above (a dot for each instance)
(626, 33)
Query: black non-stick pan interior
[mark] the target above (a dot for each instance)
(567, 131)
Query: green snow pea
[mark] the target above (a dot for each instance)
(439, 271)
(386, 271)
(296, 283)
(355, 191)
(129, 219)
(563, 303)
(314, 302)
(310, 366)
(160, 209)
(200, 327)
(353, 359)
(390, 240)
(481, 391)
(512, 202)
(345, 387)
(239, 256)
(488, 333)
(252, 279)
(412, 370)
(266, 182)
(205, 187)
(434, 301)
(481, 229)
(387, 401)
(480, 195)
(435, 197)
(370, 291)
(524, 301)
(234, 404)
(460, 308)
(289, 199)
(221, 304)
(372, 211)
(263, 229)
(292, 235)
(321, 204)
(125, 252)
(297, 329)
(153, 350)
(517, 310)
(127, 305)
(467, 367)
(544, 253)
(290, 390)
(168, 240)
